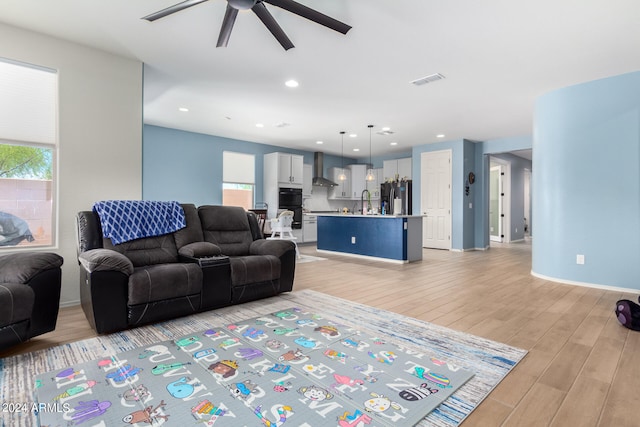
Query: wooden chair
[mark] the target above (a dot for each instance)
(261, 214)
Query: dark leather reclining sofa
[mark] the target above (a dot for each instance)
(220, 258)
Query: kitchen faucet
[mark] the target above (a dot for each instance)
(362, 199)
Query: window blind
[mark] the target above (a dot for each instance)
(28, 103)
(238, 167)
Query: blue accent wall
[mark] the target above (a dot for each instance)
(468, 197)
(187, 166)
(462, 162)
(470, 225)
(586, 197)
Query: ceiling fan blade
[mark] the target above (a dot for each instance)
(311, 14)
(172, 9)
(267, 19)
(227, 26)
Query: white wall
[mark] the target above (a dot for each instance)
(100, 131)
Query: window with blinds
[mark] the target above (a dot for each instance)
(238, 179)
(28, 152)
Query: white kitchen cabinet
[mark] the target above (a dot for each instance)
(404, 168)
(287, 168)
(307, 187)
(390, 169)
(279, 168)
(358, 180)
(374, 186)
(399, 167)
(343, 189)
(309, 228)
(297, 169)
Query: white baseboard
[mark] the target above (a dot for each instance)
(469, 249)
(69, 303)
(585, 284)
(372, 258)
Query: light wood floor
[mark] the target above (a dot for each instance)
(582, 369)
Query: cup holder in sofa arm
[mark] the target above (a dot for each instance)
(200, 250)
(216, 272)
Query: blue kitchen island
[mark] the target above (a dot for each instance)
(384, 237)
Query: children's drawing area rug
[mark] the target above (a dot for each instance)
(276, 362)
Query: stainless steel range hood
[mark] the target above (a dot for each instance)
(318, 168)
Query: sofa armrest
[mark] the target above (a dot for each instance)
(105, 260)
(274, 247)
(200, 250)
(285, 250)
(24, 266)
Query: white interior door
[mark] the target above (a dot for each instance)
(500, 200)
(527, 202)
(496, 214)
(435, 199)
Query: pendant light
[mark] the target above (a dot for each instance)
(370, 176)
(342, 176)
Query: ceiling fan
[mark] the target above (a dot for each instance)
(258, 7)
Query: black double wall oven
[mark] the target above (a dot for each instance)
(291, 199)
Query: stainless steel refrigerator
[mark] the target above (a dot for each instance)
(392, 191)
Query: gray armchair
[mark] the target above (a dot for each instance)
(29, 295)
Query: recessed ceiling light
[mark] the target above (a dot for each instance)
(319, 142)
(291, 83)
(386, 128)
(440, 135)
(259, 125)
(353, 135)
(183, 109)
(393, 143)
(356, 149)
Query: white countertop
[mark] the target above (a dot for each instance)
(362, 216)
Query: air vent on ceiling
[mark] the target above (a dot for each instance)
(282, 124)
(428, 79)
(385, 132)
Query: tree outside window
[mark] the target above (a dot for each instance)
(19, 161)
(26, 195)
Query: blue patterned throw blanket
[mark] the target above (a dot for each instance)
(125, 220)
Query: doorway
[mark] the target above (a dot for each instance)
(527, 203)
(435, 199)
(499, 172)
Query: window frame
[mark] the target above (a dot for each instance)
(54, 146)
(235, 159)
